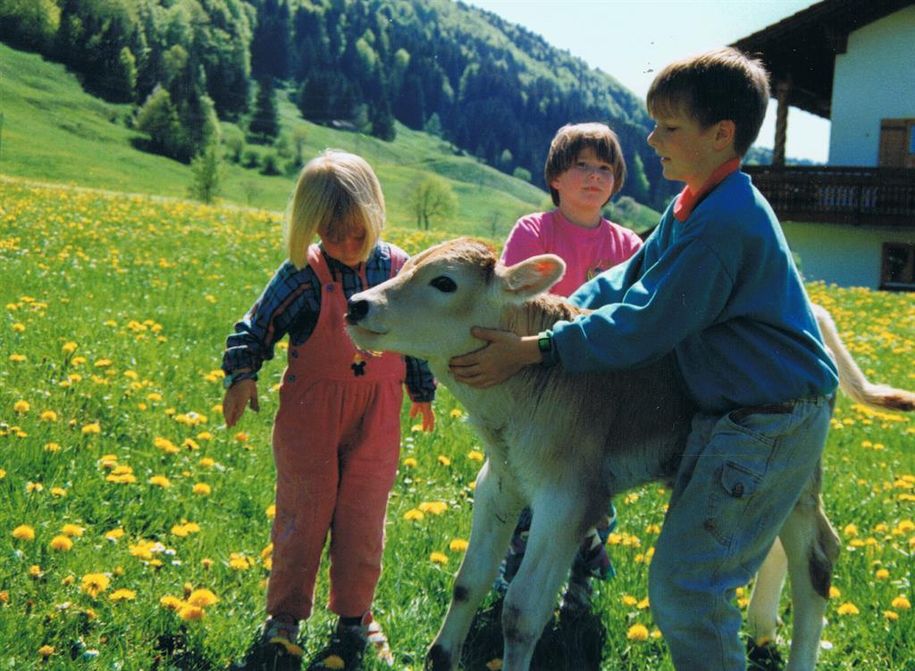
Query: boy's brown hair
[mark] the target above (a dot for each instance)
(719, 85)
(568, 143)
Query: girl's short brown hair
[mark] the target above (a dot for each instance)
(336, 194)
(720, 85)
(567, 145)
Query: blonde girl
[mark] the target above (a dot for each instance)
(336, 435)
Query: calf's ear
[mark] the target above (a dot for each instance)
(533, 276)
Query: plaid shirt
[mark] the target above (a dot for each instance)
(291, 304)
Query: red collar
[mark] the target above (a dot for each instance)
(688, 199)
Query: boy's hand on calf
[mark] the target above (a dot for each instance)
(504, 355)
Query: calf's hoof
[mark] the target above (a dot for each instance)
(438, 659)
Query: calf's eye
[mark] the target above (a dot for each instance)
(445, 284)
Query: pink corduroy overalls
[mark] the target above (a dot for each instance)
(336, 441)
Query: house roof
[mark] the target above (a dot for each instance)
(802, 48)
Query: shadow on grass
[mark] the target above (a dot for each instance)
(568, 643)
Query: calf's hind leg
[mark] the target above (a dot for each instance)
(812, 547)
(495, 511)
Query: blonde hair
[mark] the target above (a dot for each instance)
(720, 85)
(568, 143)
(337, 194)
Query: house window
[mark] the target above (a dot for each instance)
(897, 143)
(898, 267)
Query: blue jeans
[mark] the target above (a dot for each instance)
(740, 477)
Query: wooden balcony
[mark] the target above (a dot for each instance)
(840, 195)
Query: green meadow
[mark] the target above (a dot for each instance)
(135, 526)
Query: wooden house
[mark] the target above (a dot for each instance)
(851, 222)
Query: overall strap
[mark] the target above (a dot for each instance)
(319, 265)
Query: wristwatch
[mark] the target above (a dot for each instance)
(546, 347)
(237, 376)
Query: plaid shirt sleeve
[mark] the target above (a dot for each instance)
(290, 301)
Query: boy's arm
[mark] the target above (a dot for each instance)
(682, 293)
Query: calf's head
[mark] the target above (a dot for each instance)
(427, 310)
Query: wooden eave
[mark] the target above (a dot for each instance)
(801, 50)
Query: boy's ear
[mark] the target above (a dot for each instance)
(533, 276)
(725, 133)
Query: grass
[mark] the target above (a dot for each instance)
(115, 310)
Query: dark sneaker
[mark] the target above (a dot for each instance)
(763, 657)
(349, 643)
(274, 649)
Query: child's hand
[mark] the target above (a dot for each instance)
(240, 394)
(428, 414)
(503, 356)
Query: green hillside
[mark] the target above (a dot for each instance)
(54, 131)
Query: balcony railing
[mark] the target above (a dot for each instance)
(841, 195)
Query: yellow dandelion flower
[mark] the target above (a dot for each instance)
(2, 473)
(476, 455)
(202, 598)
(202, 489)
(61, 543)
(69, 347)
(901, 603)
(171, 602)
(94, 584)
(882, 574)
(18, 358)
(890, 615)
(443, 460)
(46, 651)
(414, 515)
(22, 407)
(52, 447)
(239, 562)
(438, 558)
(123, 595)
(165, 445)
(48, 416)
(114, 535)
(92, 428)
(433, 507)
(458, 545)
(456, 413)
(241, 437)
(270, 511)
(72, 530)
(189, 612)
(410, 462)
(35, 571)
(160, 481)
(637, 632)
(834, 592)
(33, 487)
(629, 600)
(19, 327)
(333, 662)
(24, 533)
(207, 462)
(848, 608)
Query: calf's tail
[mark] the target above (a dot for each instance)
(852, 379)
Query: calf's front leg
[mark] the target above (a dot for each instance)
(495, 512)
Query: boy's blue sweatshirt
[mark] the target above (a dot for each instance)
(721, 291)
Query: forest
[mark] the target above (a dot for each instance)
(493, 89)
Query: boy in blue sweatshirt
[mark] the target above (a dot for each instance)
(716, 285)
